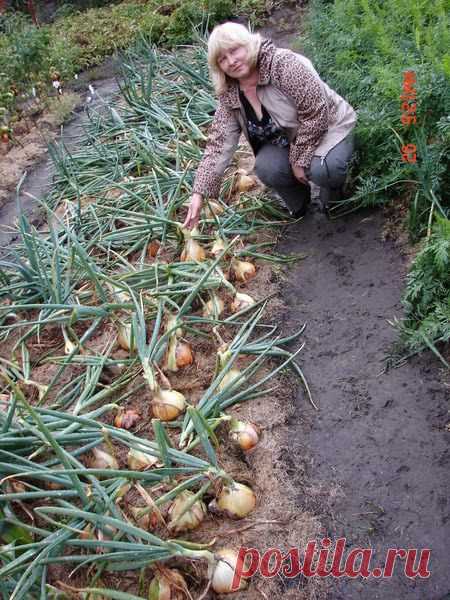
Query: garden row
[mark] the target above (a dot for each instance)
(125, 343)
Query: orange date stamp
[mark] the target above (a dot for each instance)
(408, 117)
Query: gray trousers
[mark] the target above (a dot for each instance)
(273, 169)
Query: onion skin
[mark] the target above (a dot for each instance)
(153, 248)
(179, 354)
(241, 301)
(218, 247)
(168, 585)
(103, 460)
(214, 307)
(191, 519)
(242, 270)
(125, 419)
(183, 354)
(144, 521)
(192, 249)
(244, 434)
(224, 570)
(236, 500)
(212, 209)
(124, 337)
(140, 461)
(167, 405)
(245, 183)
(229, 377)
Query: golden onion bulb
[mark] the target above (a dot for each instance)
(236, 500)
(213, 209)
(192, 249)
(241, 301)
(139, 461)
(183, 518)
(245, 183)
(242, 270)
(231, 376)
(126, 337)
(244, 434)
(167, 405)
(214, 307)
(218, 247)
(168, 585)
(223, 575)
(103, 460)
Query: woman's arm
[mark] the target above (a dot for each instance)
(304, 87)
(223, 138)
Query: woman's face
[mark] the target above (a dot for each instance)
(234, 62)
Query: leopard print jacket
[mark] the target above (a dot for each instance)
(302, 90)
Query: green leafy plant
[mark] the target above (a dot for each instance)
(427, 297)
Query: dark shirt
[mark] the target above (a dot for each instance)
(264, 130)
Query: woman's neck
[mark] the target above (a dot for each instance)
(250, 81)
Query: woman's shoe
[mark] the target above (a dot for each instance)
(328, 197)
(301, 212)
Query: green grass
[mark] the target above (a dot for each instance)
(362, 50)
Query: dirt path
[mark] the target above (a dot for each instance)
(38, 179)
(372, 464)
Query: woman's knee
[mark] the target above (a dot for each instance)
(272, 166)
(331, 171)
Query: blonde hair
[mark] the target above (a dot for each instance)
(223, 37)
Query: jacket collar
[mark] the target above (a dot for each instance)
(230, 97)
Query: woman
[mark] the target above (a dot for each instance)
(299, 128)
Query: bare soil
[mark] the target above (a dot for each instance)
(373, 461)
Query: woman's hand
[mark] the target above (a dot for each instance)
(299, 173)
(193, 216)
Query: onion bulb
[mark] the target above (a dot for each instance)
(236, 500)
(212, 209)
(125, 337)
(144, 521)
(218, 247)
(242, 270)
(103, 460)
(192, 249)
(87, 533)
(214, 307)
(152, 248)
(125, 419)
(230, 377)
(183, 354)
(245, 434)
(167, 585)
(223, 575)
(179, 354)
(167, 405)
(140, 461)
(245, 182)
(192, 516)
(241, 301)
